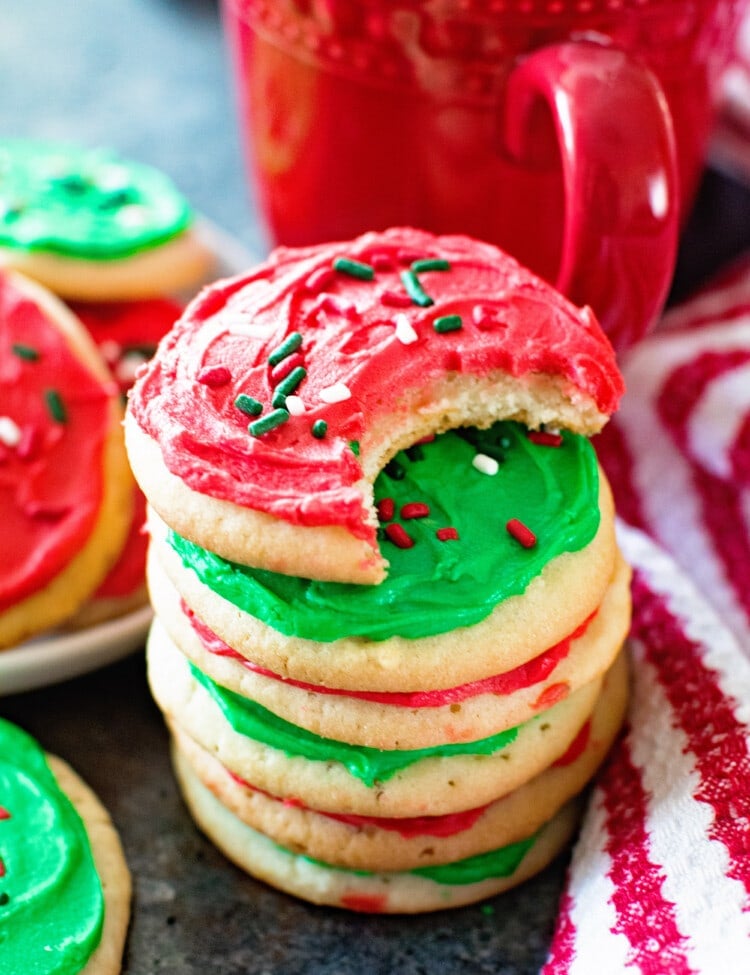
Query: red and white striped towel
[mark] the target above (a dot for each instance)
(660, 878)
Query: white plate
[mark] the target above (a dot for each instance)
(59, 656)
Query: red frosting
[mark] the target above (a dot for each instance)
(351, 331)
(51, 479)
(533, 671)
(127, 333)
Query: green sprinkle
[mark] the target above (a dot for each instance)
(290, 344)
(395, 470)
(487, 909)
(415, 290)
(55, 406)
(430, 264)
(319, 429)
(448, 323)
(354, 447)
(269, 422)
(288, 385)
(249, 405)
(355, 269)
(25, 352)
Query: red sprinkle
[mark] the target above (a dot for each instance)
(545, 439)
(398, 535)
(525, 536)
(2, 867)
(428, 439)
(320, 279)
(415, 509)
(405, 256)
(381, 262)
(30, 443)
(395, 299)
(449, 534)
(214, 376)
(282, 370)
(365, 903)
(38, 511)
(386, 509)
(486, 318)
(4, 814)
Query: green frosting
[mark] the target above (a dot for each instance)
(369, 765)
(84, 203)
(51, 901)
(436, 586)
(502, 862)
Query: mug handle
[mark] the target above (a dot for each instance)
(619, 164)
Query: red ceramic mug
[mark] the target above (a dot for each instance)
(569, 132)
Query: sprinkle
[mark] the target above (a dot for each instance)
(397, 534)
(394, 470)
(214, 376)
(29, 444)
(406, 256)
(55, 406)
(335, 306)
(428, 438)
(288, 385)
(269, 422)
(249, 405)
(485, 464)
(336, 393)
(319, 429)
(386, 508)
(25, 352)
(381, 262)
(354, 447)
(414, 509)
(4, 898)
(525, 536)
(449, 534)
(127, 368)
(395, 299)
(4, 814)
(282, 370)
(405, 332)
(487, 909)
(355, 269)
(430, 264)
(251, 330)
(295, 405)
(290, 344)
(45, 512)
(415, 290)
(447, 323)
(545, 438)
(10, 432)
(485, 317)
(320, 279)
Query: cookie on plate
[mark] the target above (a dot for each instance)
(65, 483)
(64, 884)
(90, 225)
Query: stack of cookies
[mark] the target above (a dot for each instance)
(389, 601)
(116, 242)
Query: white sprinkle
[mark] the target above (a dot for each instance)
(404, 330)
(485, 464)
(127, 368)
(10, 432)
(295, 405)
(111, 350)
(336, 393)
(252, 330)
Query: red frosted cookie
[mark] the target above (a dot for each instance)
(64, 481)
(127, 334)
(260, 425)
